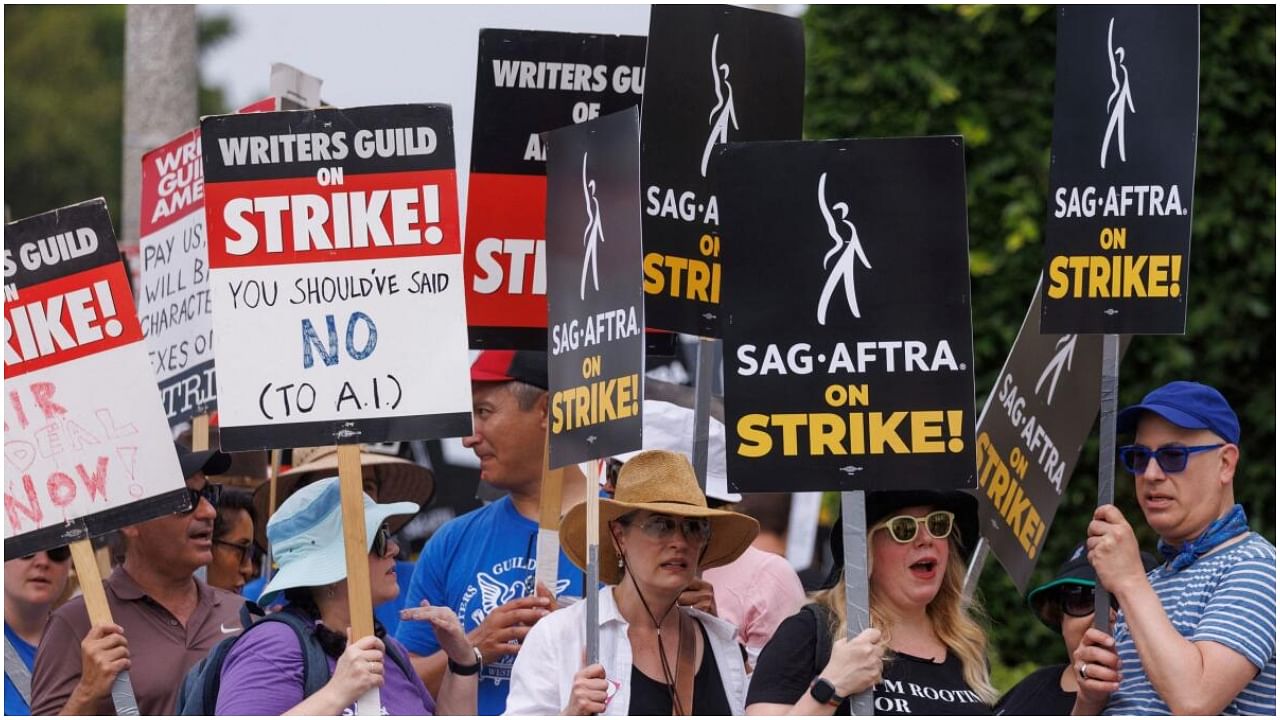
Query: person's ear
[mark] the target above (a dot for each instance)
(541, 407)
(1227, 466)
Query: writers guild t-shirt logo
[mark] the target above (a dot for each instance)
(722, 113)
(846, 249)
(503, 582)
(1120, 99)
(592, 235)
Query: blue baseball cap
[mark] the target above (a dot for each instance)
(1189, 405)
(306, 536)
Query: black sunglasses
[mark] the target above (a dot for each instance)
(381, 540)
(1077, 600)
(1171, 459)
(58, 554)
(211, 492)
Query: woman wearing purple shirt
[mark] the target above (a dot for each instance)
(263, 672)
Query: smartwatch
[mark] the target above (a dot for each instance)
(465, 670)
(824, 692)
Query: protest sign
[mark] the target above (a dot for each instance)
(173, 299)
(528, 83)
(1030, 432)
(1122, 170)
(713, 74)
(848, 341)
(87, 449)
(595, 306)
(336, 275)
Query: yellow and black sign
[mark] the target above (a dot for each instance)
(1118, 237)
(848, 343)
(595, 304)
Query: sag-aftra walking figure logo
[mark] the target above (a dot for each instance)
(593, 234)
(723, 113)
(1121, 97)
(849, 249)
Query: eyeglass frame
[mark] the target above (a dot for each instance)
(679, 522)
(885, 524)
(1180, 454)
(247, 551)
(382, 539)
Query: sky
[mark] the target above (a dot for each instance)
(386, 54)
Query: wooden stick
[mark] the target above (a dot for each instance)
(95, 601)
(593, 577)
(271, 508)
(355, 541)
(547, 569)
(200, 432)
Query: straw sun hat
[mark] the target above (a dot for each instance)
(399, 480)
(661, 482)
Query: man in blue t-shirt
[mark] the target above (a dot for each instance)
(1197, 636)
(481, 565)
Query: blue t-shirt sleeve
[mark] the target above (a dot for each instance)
(1242, 612)
(428, 584)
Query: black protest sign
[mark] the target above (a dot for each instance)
(529, 82)
(87, 449)
(1036, 419)
(595, 305)
(848, 340)
(1118, 238)
(336, 275)
(713, 74)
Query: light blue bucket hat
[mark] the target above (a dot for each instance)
(306, 536)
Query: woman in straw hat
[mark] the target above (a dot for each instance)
(655, 658)
(924, 653)
(263, 672)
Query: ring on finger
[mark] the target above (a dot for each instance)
(1084, 672)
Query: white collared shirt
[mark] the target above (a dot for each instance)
(542, 677)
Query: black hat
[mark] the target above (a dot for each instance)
(1075, 571)
(525, 366)
(210, 462)
(882, 503)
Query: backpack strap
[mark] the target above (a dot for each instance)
(822, 636)
(17, 671)
(315, 663)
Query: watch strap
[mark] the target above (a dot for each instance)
(464, 670)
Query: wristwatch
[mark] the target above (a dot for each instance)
(824, 692)
(464, 670)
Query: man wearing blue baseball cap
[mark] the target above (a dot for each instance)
(1197, 636)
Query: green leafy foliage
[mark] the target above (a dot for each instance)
(64, 107)
(987, 72)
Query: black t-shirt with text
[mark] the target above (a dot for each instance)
(1039, 693)
(909, 685)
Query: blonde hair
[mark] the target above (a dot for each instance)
(955, 622)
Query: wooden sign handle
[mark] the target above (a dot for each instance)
(200, 432)
(354, 540)
(95, 601)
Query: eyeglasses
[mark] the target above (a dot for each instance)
(1077, 600)
(663, 527)
(903, 528)
(247, 551)
(381, 541)
(58, 554)
(211, 492)
(1171, 459)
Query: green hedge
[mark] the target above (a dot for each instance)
(987, 73)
